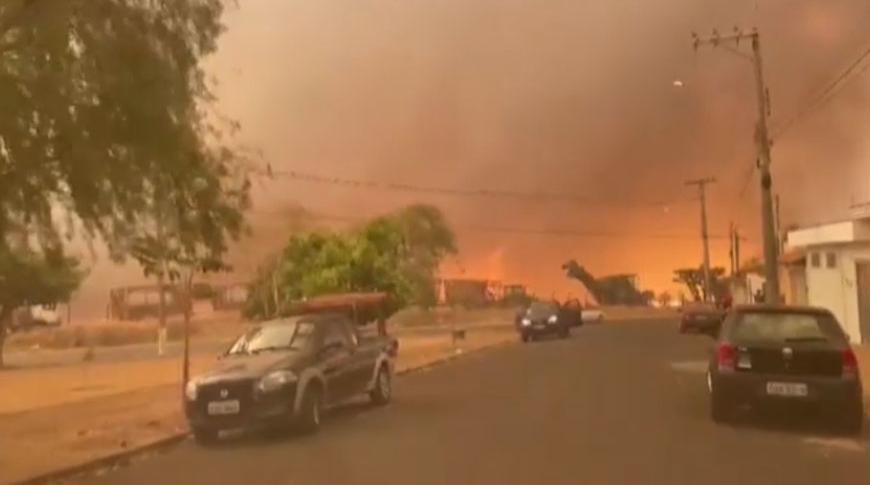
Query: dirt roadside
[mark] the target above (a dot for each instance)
(58, 418)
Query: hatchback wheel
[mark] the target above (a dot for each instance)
(851, 419)
(721, 409)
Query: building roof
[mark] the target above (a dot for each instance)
(793, 257)
(856, 230)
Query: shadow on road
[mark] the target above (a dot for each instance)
(268, 437)
(804, 423)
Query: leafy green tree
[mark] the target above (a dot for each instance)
(397, 254)
(104, 118)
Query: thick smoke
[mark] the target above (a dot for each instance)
(565, 96)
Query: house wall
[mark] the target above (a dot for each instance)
(836, 288)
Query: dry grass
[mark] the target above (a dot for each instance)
(98, 335)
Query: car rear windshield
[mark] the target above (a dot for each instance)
(786, 327)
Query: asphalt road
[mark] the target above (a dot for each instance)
(618, 403)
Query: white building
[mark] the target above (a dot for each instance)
(838, 271)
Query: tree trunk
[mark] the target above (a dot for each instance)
(2, 342)
(188, 309)
(5, 320)
(161, 311)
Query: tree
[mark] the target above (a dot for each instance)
(397, 254)
(30, 278)
(104, 114)
(693, 279)
(664, 299)
(99, 99)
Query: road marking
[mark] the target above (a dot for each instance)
(837, 444)
(690, 366)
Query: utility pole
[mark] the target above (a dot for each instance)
(762, 142)
(731, 248)
(702, 190)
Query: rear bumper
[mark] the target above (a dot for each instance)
(261, 411)
(545, 329)
(746, 388)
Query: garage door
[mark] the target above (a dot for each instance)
(864, 300)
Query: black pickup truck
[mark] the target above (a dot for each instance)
(283, 373)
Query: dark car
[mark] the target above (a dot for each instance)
(544, 318)
(283, 373)
(701, 318)
(785, 358)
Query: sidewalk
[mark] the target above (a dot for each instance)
(55, 418)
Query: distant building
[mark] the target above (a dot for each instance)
(469, 292)
(837, 271)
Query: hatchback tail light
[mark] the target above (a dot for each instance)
(726, 356)
(850, 363)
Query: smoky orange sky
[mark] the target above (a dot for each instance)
(566, 96)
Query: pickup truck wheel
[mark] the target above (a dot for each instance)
(308, 421)
(205, 436)
(383, 389)
(524, 337)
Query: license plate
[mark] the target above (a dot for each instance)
(788, 389)
(219, 408)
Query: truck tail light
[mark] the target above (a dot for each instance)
(726, 356)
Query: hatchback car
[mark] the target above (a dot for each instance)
(545, 318)
(786, 358)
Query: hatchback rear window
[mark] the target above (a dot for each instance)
(786, 327)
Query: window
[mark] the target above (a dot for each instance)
(831, 260)
(770, 326)
(336, 335)
(815, 260)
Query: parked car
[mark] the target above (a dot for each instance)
(592, 314)
(785, 357)
(283, 374)
(701, 318)
(545, 318)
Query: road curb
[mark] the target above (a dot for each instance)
(122, 458)
(107, 462)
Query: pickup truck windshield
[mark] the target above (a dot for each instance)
(276, 336)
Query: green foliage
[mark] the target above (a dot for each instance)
(104, 118)
(103, 110)
(397, 254)
(31, 278)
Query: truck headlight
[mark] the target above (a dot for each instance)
(526, 322)
(275, 380)
(553, 319)
(191, 390)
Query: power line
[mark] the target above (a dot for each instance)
(554, 232)
(451, 191)
(828, 93)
